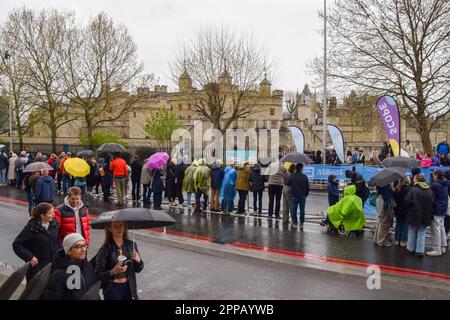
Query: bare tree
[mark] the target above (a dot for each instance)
(103, 65)
(226, 69)
(292, 103)
(16, 83)
(42, 39)
(396, 47)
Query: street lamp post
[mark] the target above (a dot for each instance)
(5, 57)
(325, 98)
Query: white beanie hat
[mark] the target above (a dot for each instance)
(70, 240)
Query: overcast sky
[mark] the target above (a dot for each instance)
(289, 29)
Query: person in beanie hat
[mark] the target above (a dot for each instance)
(70, 241)
(70, 262)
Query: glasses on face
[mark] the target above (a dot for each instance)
(80, 246)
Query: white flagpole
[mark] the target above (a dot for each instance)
(325, 98)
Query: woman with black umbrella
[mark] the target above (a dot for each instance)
(117, 263)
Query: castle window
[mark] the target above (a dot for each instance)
(134, 115)
(189, 107)
(272, 112)
(180, 107)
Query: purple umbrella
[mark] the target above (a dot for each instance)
(157, 160)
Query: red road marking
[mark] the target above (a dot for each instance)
(293, 254)
(21, 202)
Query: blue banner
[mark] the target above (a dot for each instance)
(320, 172)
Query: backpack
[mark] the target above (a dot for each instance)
(18, 164)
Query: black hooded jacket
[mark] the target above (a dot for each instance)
(420, 202)
(257, 180)
(57, 286)
(358, 181)
(35, 241)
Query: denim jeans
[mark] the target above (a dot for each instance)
(188, 199)
(19, 179)
(29, 196)
(198, 195)
(242, 199)
(416, 239)
(296, 202)
(106, 192)
(118, 292)
(65, 179)
(146, 194)
(401, 229)
(157, 199)
(2, 176)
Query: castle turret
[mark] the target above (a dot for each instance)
(265, 87)
(185, 81)
(225, 78)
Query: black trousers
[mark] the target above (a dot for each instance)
(242, 198)
(275, 193)
(179, 192)
(257, 198)
(136, 189)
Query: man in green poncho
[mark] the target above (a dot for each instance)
(202, 183)
(188, 182)
(349, 212)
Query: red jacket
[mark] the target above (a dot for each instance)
(65, 216)
(424, 163)
(119, 168)
(51, 161)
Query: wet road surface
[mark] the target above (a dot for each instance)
(173, 274)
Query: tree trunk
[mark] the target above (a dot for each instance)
(424, 132)
(426, 141)
(53, 131)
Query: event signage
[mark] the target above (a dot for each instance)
(390, 116)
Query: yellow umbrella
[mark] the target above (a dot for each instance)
(77, 167)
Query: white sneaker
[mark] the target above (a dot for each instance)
(434, 253)
(444, 250)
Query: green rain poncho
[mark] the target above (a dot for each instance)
(188, 181)
(348, 211)
(202, 177)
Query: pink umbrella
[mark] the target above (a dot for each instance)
(157, 160)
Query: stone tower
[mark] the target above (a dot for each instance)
(265, 87)
(185, 81)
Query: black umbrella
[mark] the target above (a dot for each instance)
(297, 158)
(85, 154)
(13, 282)
(400, 162)
(112, 147)
(37, 166)
(92, 294)
(36, 286)
(387, 176)
(136, 218)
